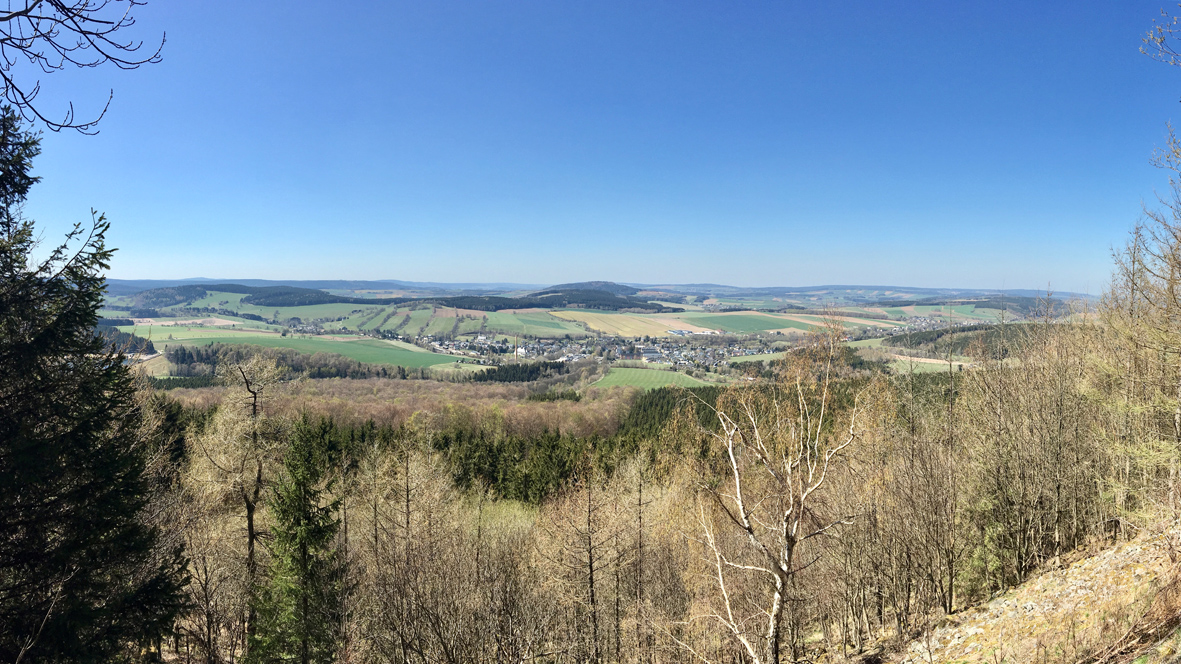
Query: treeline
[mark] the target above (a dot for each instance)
(194, 361)
(157, 298)
(124, 341)
(127, 342)
(927, 337)
(522, 373)
(972, 340)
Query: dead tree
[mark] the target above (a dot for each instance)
(52, 35)
(759, 502)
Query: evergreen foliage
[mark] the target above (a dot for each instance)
(81, 575)
(299, 611)
(522, 373)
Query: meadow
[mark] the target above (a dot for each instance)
(647, 379)
(534, 323)
(370, 351)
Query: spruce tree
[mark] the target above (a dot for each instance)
(299, 609)
(82, 578)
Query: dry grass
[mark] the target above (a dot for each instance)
(1097, 609)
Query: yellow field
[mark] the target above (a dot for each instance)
(623, 325)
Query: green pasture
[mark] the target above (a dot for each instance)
(539, 324)
(369, 351)
(378, 316)
(440, 325)
(419, 319)
(395, 320)
(471, 325)
(866, 343)
(549, 325)
(648, 379)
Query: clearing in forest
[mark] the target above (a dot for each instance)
(647, 379)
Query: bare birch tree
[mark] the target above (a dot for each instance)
(761, 503)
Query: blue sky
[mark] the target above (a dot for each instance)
(933, 143)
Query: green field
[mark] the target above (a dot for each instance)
(535, 323)
(369, 351)
(395, 320)
(866, 343)
(440, 325)
(471, 325)
(419, 318)
(648, 379)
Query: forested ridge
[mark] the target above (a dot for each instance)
(294, 296)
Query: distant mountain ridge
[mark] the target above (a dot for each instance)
(133, 286)
(871, 293)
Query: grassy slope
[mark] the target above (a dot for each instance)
(647, 379)
(372, 351)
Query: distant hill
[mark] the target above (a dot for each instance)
(807, 295)
(132, 286)
(606, 286)
(292, 296)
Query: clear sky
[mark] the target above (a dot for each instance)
(985, 144)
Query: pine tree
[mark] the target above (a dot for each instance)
(82, 578)
(299, 610)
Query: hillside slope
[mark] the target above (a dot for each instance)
(1122, 604)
